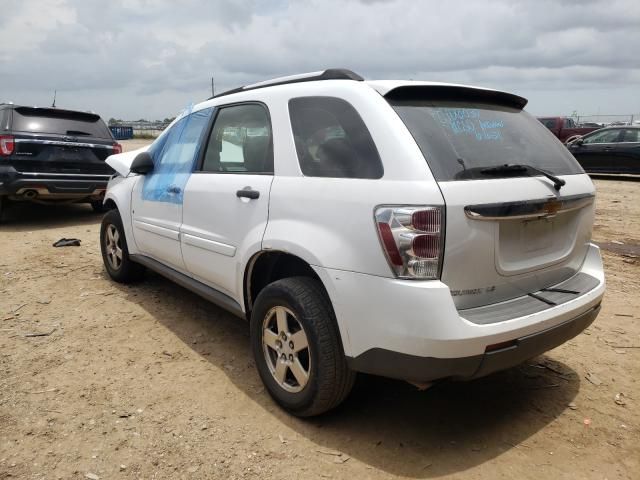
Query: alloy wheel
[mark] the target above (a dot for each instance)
(113, 247)
(286, 349)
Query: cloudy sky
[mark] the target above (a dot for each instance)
(150, 58)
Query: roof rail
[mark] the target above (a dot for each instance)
(329, 74)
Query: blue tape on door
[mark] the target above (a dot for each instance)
(175, 162)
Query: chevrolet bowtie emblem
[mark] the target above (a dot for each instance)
(551, 208)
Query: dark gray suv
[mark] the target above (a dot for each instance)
(53, 155)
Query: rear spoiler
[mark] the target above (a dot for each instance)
(58, 113)
(455, 93)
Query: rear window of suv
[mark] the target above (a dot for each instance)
(459, 140)
(332, 140)
(4, 119)
(59, 122)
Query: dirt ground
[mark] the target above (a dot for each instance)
(150, 381)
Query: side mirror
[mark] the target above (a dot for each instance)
(578, 141)
(142, 164)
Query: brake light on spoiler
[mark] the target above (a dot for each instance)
(412, 240)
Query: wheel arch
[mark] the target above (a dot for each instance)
(110, 204)
(118, 197)
(268, 266)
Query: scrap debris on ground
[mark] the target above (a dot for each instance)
(67, 242)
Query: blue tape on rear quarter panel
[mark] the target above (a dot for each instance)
(174, 163)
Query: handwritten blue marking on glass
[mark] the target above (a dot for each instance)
(466, 121)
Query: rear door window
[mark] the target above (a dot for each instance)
(59, 122)
(332, 140)
(459, 139)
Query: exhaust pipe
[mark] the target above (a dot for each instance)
(30, 194)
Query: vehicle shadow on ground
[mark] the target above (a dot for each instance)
(23, 216)
(388, 425)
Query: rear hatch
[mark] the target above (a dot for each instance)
(50, 140)
(509, 230)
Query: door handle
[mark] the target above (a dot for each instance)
(248, 192)
(173, 189)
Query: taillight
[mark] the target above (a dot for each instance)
(412, 239)
(7, 144)
(426, 246)
(426, 220)
(117, 148)
(389, 244)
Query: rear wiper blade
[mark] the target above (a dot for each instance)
(77, 132)
(558, 183)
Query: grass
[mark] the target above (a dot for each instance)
(144, 136)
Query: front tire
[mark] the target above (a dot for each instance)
(297, 347)
(115, 253)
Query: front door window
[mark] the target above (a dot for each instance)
(174, 158)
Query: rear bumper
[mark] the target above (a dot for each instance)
(412, 330)
(51, 185)
(421, 369)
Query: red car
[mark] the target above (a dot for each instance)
(565, 127)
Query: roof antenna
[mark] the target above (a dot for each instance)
(212, 88)
(53, 105)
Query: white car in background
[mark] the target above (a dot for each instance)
(414, 230)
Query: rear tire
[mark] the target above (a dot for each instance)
(297, 347)
(3, 206)
(115, 253)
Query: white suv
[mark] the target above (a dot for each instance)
(414, 230)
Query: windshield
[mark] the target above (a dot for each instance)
(460, 140)
(550, 123)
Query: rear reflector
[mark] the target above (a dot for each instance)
(7, 145)
(389, 244)
(501, 346)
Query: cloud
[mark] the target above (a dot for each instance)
(150, 57)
